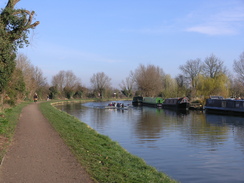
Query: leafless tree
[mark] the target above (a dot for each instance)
(23, 63)
(127, 85)
(66, 82)
(181, 85)
(100, 82)
(149, 80)
(58, 81)
(239, 68)
(213, 67)
(33, 76)
(40, 80)
(191, 71)
(236, 88)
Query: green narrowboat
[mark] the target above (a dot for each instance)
(152, 101)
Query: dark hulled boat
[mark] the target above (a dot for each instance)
(224, 105)
(177, 103)
(137, 101)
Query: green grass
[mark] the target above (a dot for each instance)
(8, 121)
(105, 160)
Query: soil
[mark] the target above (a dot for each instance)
(38, 154)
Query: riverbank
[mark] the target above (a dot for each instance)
(104, 159)
(8, 121)
(38, 154)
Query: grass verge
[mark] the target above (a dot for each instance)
(105, 160)
(8, 122)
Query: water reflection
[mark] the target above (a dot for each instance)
(190, 146)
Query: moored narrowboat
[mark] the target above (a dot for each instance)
(137, 101)
(225, 105)
(178, 103)
(152, 101)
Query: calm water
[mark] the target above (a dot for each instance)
(189, 147)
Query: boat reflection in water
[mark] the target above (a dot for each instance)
(224, 120)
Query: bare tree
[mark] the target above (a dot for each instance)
(100, 82)
(23, 63)
(181, 85)
(191, 71)
(41, 83)
(58, 81)
(40, 80)
(239, 68)
(33, 76)
(213, 67)
(127, 85)
(149, 80)
(66, 82)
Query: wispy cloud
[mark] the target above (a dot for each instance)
(213, 29)
(222, 21)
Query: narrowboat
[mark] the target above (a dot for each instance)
(152, 101)
(224, 105)
(178, 103)
(137, 101)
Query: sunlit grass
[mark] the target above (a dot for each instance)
(104, 159)
(8, 122)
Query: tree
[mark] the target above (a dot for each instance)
(127, 85)
(169, 87)
(33, 77)
(40, 82)
(149, 80)
(58, 82)
(15, 90)
(14, 29)
(100, 82)
(214, 86)
(237, 88)
(191, 70)
(213, 67)
(239, 68)
(65, 83)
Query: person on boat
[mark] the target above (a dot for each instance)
(110, 104)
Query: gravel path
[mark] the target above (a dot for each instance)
(39, 155)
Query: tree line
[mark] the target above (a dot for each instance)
(20, 79)
(198, 79)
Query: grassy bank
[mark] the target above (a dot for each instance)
(104, 159)
(8, 122)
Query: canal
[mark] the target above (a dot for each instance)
(188, 146)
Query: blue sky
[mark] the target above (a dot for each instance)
(116, 36)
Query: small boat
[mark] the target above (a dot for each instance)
(119, 108)
(116, 106)
(178, 103)
(219, 104)
(152, 101)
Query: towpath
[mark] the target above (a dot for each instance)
(38, 154)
